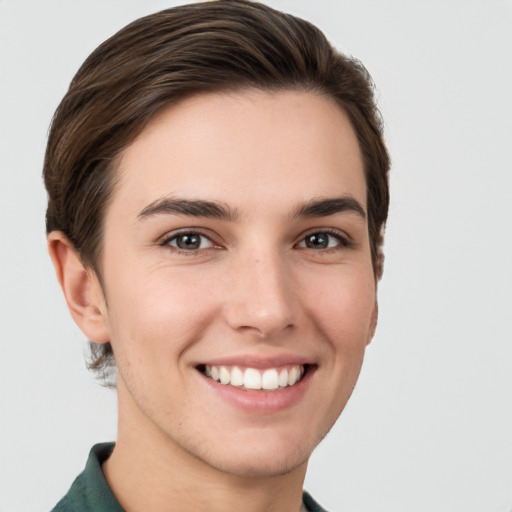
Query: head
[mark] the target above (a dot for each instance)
(166, 57)
(179, 58)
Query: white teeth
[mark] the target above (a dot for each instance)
(252, 378)
(270, 379)
(293, 376)
(224, 375)
(237, 377)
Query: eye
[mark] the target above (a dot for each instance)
(323, 240)
(189, 241)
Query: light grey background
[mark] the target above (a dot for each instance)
(429, 427)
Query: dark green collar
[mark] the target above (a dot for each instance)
(90, 491)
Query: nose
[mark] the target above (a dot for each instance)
(260, 297)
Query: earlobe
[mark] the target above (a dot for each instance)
(81, 288)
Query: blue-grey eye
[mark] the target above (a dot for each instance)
(320, 240)
(190, 241)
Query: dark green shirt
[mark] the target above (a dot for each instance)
(91, 493)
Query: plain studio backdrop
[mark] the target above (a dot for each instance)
(429, 427)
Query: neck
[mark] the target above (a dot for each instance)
(148, 472)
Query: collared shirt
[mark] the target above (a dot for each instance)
(91, 493)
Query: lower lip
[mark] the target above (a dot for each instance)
(261, 401)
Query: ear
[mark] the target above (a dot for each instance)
(81, 287)
(373, 322)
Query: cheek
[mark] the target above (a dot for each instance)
(157, 308)
(343, 307)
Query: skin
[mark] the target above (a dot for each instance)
(256, 287)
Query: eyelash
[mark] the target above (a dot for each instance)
(344, 241)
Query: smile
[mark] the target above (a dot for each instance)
(270, 379)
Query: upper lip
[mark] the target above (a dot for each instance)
(259, 362)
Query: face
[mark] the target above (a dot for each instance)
(238, 284)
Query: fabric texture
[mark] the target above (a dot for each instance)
(91, 493)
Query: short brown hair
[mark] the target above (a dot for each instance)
(165, 57)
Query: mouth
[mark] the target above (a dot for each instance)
(254, 379)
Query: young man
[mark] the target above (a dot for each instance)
(217, 184)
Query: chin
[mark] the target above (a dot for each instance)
(267, 467)
(264, 458)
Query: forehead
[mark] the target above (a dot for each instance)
(250, 148)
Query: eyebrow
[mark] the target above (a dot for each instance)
(330, 206)
(190, 207)
(218, 210)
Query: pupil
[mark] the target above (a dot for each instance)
(188, 241)
(317, 240)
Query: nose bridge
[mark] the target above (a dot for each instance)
(261, 294)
